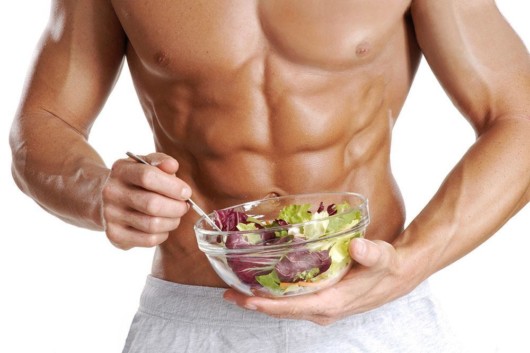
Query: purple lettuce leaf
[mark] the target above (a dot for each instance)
(237, 241)
(227, 220)
(247, 268)
(331, 209)
(292, 266)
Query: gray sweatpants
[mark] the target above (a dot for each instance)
(181, 318)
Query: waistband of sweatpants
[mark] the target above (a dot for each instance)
(196, 304)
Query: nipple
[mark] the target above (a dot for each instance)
(362, 49)
(161, 59)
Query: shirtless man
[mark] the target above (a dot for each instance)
(248, 99)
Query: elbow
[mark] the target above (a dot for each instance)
(19, 182)
(490, 121)
(18, 158)
(19, 176)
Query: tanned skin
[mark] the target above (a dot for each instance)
(248, 99)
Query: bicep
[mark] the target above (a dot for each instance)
(77, 62)
(481, 62)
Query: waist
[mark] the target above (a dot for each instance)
(199, 304)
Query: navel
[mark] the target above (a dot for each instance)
(271, 195)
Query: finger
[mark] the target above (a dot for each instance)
(155, 180)
(306, 307)
(129, 196)
(126, 238)
(163, 162)
(140, 221)
(269, 306)
(150, 203)
(365, 252)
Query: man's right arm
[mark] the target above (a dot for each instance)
(77, 63)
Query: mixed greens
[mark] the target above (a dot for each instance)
(311, 257)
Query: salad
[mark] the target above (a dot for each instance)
(317, 246)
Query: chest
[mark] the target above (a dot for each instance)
(182, 37)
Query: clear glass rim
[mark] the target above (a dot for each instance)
(362, 223)
(261, 250)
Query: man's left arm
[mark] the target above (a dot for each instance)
(485, 69)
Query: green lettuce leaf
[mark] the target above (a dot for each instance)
(294, 214)
(252, 238)
(270, 281)
(343, 221)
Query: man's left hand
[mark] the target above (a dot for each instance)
(375, 279)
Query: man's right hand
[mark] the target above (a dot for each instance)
(143, 203)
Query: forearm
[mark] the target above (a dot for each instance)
(488, 186)
(54, 165)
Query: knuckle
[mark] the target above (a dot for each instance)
(107, 192)
(148, 177)
(111, 234)
(324, 315)
(153, 224)
(290, 313)
(109, 213)
(116, 239)
(152, 206)
(323, 321)
(116, 167)
(386, 246)
(331, 315)
(293, 312)
(106, 211)
(284, 312)
(153, 240)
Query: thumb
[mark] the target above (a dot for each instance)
(365, 252)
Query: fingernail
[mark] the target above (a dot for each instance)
(185, 193)
(360, 248)
(250, 306)
(230, 299)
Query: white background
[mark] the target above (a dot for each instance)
(65, 289)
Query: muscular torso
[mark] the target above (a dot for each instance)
(257, 98)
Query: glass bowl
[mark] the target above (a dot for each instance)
(284, 246)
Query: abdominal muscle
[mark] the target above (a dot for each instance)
(266, 121)
(250, 145)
